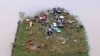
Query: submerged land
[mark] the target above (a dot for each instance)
(32, 38)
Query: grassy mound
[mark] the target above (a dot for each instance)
(33, 41)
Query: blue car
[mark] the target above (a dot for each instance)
(57, 10)
(55, 29)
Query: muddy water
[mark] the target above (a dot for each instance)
(87, 10)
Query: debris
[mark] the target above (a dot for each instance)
(30, 43)
(81, 26)
(51, 11)
(44, 45)
(47, 37)
(26, 28)
(22, 44)
(38, 50)
(75, 40)
(30, 33)
(70, 21)
(33, 48)
(67, 39)
(63, 41)
(31, 23)
(27, 20)
(52, 51)
(40, 18)
(36, 18)
(62, 17)
(29, 40)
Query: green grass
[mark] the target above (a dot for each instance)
(71, 48)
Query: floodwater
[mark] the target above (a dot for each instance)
(88, 12)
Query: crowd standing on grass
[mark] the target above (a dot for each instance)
(58, 23)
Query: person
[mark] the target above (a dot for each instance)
(43, 19)
(54, 11)
(46, 22)
(60, 25)
(40, 19)
(58, 21)
(56, 17)
(62, 18)
(36, 18)
(49, 31)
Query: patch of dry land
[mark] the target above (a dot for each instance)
(54, 32)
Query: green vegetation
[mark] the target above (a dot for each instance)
(31, 41)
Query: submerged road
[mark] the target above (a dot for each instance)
(88, 11)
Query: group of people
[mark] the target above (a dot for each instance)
(57, 23)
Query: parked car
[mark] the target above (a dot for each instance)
(56, 29)
(44, 17)
(57, 10)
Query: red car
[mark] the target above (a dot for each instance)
(44, 17)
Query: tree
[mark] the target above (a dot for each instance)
(21, 15)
